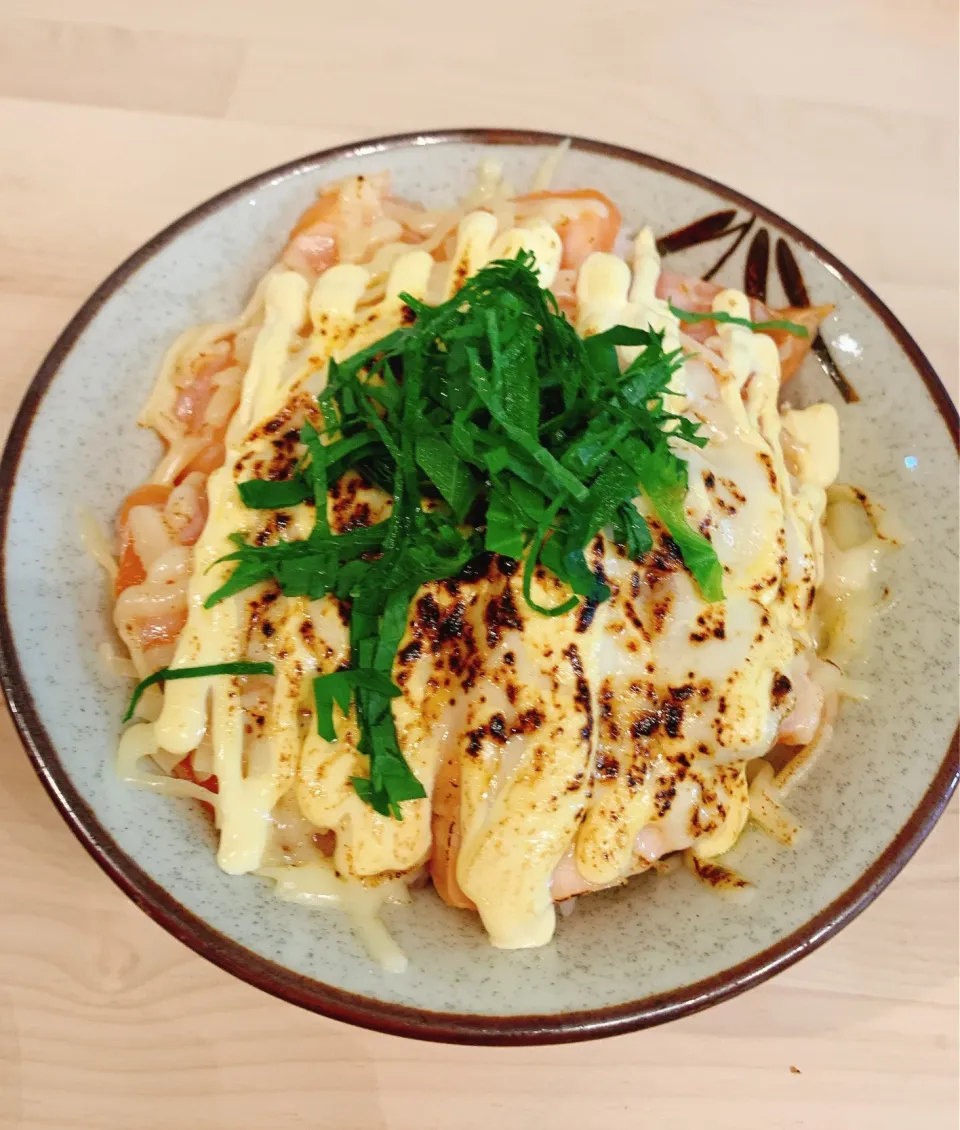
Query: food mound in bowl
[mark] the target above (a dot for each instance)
(482, 555)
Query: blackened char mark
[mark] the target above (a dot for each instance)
(586, 614)
(428, 614)
(757, 265)
(673, 720)
(582, 695)
(451, 627)
(501, 613)
(476, 568)
(796, 291)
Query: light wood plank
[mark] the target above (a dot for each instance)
(110, 65)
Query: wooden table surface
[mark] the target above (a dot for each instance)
(117, 115)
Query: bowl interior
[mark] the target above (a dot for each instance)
(657, 935)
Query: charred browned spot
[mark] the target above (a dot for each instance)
(717, 876)
(506, 565)
(461, 272)
(734, 491)
(498, 728)
(538, 762)
(606, 700)
(574, 786)
(664, 798)
(681, 694)
(509, 658)
(428, 613)
(708, 480)
(500, 614)
(698, 637)
(527, 722)
(411, 652)
(608, 768)
(512, 691)
(343, 612)
(645, 725)
(633, 616)
(719, 632)
(781, 687)
(636, 775)
(722, 704)
(585, 615)
(284, 443)
(582, 695)
(672, 550)
(673, 720)
(767, 462)
(360, 517)
(451, 626)
(475, 742)
(267, 628)
(661, 611)
(573, 654)
(634, 583)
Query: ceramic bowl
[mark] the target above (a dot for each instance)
(658, 948)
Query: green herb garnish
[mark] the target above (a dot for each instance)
(168, 674)
(729, 319)
(264, 494)
(491, 425)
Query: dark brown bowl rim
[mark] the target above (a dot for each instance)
(336, 1003)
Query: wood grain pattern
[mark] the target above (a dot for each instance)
(115, 116)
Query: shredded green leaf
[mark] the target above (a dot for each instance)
(729, 319)
(492, 426)
(168, 674)
(264, 494)
(338, 688)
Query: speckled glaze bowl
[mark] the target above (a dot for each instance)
(660, 947)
